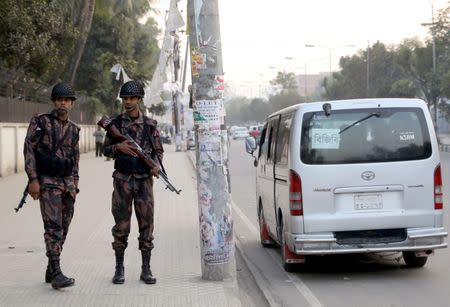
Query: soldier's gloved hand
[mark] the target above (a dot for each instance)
(155, 171)
(126, 148)
(34, 189)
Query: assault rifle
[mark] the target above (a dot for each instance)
(23, 200)
(106, 123)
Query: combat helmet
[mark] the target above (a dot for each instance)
(63, 90)
(131, 89)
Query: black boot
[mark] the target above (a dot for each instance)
(119, 275)
(59, 280)
(146, 274)
(48, 273)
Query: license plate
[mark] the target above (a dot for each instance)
(368, 202)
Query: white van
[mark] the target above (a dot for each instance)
(350, 176)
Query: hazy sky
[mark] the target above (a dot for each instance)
(258, 34)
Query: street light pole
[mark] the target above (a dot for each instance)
(435, 100)
(433, 81)
(434, 41)
(330, 50)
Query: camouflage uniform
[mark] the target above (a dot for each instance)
(58, 191)
(133, 181)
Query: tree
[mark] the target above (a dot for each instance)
(116, 39)
(259, 110)
(35, 38)
(286, 81)
(387, 79)
(284, 100)
(237, 110)
(416, 60)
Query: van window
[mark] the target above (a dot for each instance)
(262, 143)
(274, 122)
(364, 136)
(283, 139)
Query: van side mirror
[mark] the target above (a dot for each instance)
(250, 147)
(250, 144)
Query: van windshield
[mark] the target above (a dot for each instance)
(385, 134)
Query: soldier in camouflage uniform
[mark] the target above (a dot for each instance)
(133, 180)
(51, 153)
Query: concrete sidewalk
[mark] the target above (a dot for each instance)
(88, 256)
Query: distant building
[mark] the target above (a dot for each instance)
(308, 85)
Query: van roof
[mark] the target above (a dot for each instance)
(355, 103)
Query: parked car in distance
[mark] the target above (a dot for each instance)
(350, 176)
(240, 133)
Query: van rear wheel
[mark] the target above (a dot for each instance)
(413, 261)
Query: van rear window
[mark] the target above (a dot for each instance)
(365, 136)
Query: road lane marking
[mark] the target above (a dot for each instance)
(298, 283)
(245, 219)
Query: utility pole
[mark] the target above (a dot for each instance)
(214, 201)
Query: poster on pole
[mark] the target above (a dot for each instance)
(209, 112)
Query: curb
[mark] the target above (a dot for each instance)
(259, 279)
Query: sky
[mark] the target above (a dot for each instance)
(261, 37)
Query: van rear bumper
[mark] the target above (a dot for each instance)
(417, 239)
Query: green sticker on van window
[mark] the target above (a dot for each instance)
(325, 138)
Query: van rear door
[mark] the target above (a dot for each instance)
(370, 168)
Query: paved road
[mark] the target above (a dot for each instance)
(336, 280)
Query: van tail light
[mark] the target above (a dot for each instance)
(438, 195)
(295, 194)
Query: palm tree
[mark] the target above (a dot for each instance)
(87, 14)
(81, 12)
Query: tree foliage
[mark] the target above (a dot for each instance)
(405, 70)
(52, 40)
(35, 38)
(286, 81)
(117, 39)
